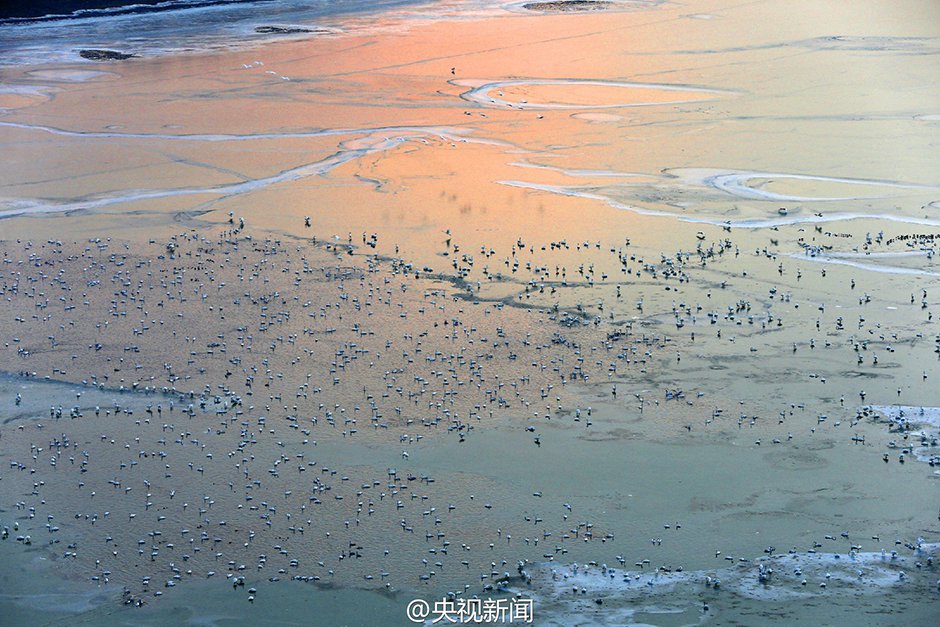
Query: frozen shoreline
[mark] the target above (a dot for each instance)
(563, 592)
(176, 27)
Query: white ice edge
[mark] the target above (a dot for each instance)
(747, 223)
(373, 140)
(735, 183)
(479, 93)
(869, 267)
(907, 418)
(786, 576)
(909, 413)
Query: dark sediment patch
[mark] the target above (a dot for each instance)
(286, 30)
(703, 504)
(565, 6)
(93, 54)
(613, 435)
(858, 374)
(796, 460)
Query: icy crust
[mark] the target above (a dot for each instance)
(561, 588)
(919, 427)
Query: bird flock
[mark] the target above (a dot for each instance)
(246, 406)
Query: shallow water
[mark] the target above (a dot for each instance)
(380, 315)
(60, 31)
